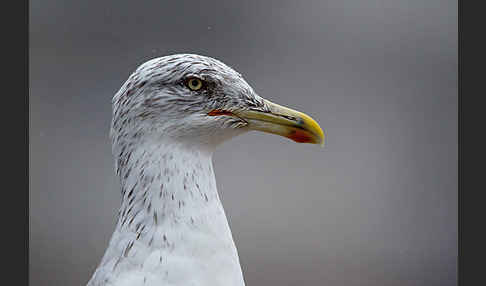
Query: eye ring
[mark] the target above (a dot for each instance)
(194, 83)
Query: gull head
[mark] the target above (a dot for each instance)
(198, 101)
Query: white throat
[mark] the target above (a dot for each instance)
(172, 229)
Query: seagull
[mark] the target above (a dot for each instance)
(167, 120)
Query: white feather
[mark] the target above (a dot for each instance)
(189, 243)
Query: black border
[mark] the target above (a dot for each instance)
(15, 130)
(471, 111)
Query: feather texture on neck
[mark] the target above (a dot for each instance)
(171, 227)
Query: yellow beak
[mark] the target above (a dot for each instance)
(285, 122)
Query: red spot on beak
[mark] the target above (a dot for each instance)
(218, 112)
(300, 136)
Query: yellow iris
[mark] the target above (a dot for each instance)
(194, 83)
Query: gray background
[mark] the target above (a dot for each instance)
(376, 206)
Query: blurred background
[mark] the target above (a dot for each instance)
(376, 206)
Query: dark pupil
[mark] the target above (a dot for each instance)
(193, 83)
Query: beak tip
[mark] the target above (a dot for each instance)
(321, 141)
(316, 131)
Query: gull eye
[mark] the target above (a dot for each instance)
(194, 83)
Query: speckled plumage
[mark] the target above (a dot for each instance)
(172, 229)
